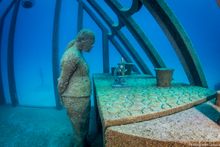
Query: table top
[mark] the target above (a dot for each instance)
(142, 100)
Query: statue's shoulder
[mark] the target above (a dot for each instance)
(71, 56)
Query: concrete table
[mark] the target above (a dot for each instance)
(140, 101)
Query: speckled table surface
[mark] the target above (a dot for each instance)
(142, 100)
(186, 128)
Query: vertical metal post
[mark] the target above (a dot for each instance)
(2, 20)
(11, 73)
(55, 51)
(105, 53)
(2, 95)
(80, 16)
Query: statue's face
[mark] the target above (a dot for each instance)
(85, 43)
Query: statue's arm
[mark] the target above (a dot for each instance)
(68, 67)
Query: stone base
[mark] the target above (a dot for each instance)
(186, 128)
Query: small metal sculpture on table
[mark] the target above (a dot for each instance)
(119, 73)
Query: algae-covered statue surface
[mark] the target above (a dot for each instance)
(74, 84)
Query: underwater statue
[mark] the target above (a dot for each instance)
(74, 84)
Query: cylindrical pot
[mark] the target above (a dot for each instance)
(218, 99)
(164, 76)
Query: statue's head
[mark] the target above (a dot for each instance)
(85, 40)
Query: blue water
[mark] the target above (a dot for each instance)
(33, 43)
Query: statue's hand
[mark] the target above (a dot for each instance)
(62, 86)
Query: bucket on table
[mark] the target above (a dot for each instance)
(218, 98)
(164, 76)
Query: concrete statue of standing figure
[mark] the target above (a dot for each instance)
(74, 84)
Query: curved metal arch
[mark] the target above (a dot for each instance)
(179, 40)
(106, 17)
(139, 35)
(105, 34)
(121, 37)
(109, 36)
(10, 66)
(2, 20)
(55, 49)
(135, 6)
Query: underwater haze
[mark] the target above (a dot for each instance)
(130, 110)
(33, 43)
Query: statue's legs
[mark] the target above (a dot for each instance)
(78, 109)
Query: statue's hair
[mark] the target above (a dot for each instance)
(82, 33)
(71, 43)
(85, 33)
